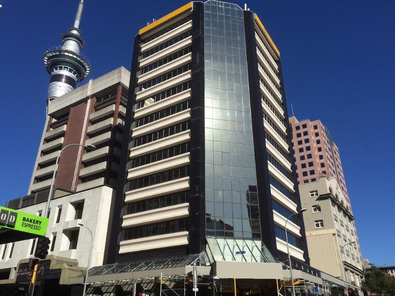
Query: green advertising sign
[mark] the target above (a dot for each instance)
(24, 222)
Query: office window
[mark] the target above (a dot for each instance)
(319, 149)
(59, 214)
(301, 150)
(322, 165)
(305, 133)
(312, 172)
(311, 164)
(11, 250)
(309, 156)
(313, 179)
(315, 127)
(313, 193)
(303, 165)
(33, 245)
(298, 135)
(321, 156)
(316, 208)
(319, 224)
(318, 141)
(308, 148)
(4, 251)
(304, 125)
(317, 134)
(298, 127)
(306, 181)
(73, 238)
(304, 174)
(300, 142)
(53, 241)
(79, 208)
(307, 141)
(302, 157)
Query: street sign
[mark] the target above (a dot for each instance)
(17, 221)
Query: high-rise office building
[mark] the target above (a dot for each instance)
(329, 220)
(316, 153)
(210, 160)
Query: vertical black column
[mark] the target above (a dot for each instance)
(197, 178)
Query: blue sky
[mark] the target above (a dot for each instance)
(338, 60)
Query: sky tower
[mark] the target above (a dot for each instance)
(65, 63)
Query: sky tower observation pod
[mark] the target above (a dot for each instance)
(65, 63)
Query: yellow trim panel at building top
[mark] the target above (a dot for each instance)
(267, 35)
(166, 18)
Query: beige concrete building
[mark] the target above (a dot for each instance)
(331, 233)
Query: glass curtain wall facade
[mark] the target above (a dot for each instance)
(209, 156)
(232, 205)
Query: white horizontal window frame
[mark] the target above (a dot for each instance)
(275, 136)
(169, 83)
(154, 242)
(265, 64)
(273, 117)
(279, 176)
(159, 166)
(162, 123)
(263, 48)
(266, 78)
(282, 199)
(165, 52)
(185, 27)
(265, 93)
(179, 211)
(163, 104)
(160, 144)
(164, 188)
(278, 156)
(183, 60)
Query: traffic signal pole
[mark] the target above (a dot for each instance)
(41, 251)
(33, 280)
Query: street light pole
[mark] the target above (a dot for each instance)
(89, 258)
(289, 254)
(51, 188)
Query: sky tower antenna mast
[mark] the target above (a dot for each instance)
(65, 63)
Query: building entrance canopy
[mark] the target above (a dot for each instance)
(224, 258)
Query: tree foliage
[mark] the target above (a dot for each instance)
(378, 282)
